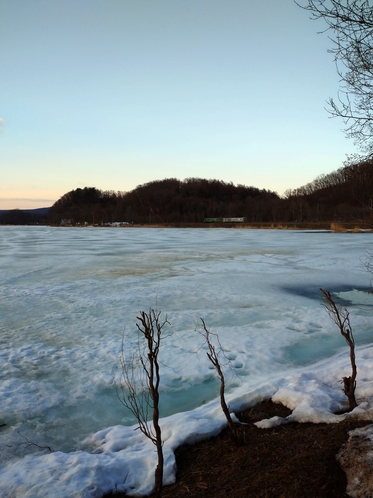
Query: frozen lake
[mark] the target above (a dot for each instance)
(68, 296)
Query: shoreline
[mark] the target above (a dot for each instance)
(314, 226)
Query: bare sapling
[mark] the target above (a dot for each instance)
(341, 317)
(368, 262)
(213, 355)
(138, 389)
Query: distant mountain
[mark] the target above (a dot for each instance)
(24, 216)
(38, 211)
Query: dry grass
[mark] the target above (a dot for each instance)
(337, 227)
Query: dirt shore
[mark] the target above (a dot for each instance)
(289, 461)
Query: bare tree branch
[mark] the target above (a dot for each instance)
(351, 25)
(138, 389)
(368, 262)
(27, 443)
(213, 355)
(341, 317)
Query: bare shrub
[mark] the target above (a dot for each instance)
(138, 389)
(213, 355)
(340, 316)
(368, 262)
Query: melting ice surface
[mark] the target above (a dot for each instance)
(69, 296)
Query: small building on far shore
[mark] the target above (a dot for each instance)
(224, 220)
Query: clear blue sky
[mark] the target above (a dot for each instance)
(115, 93)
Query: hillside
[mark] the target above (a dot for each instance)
(166, 201)
(345, 195)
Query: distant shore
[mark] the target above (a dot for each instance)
(324, 226)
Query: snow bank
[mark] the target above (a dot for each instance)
(123, 459)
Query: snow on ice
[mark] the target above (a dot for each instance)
(68, 297)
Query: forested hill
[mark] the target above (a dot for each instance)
(343, 195)
(166, 201)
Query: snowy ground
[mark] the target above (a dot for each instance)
(68, 296)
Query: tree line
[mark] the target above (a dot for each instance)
(166, 201)
(24, 216)
(343, 195)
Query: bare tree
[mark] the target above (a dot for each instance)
(213, 355)
(138, 389)
(340, 316)
(351, 25)
(368, 262)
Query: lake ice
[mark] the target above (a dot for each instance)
(68, 296)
